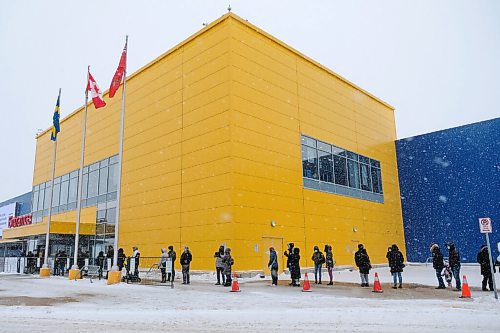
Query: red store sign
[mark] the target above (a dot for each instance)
(18, 221)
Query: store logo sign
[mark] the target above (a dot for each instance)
(19, 221)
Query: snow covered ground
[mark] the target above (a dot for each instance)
(29, 304)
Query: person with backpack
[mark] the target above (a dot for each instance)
(438, 264)
(330, 262)
(219, 266)
(228, 262)
(396, 263)
(186, 258)
(273, 266)
(362, 260)
(319, 259)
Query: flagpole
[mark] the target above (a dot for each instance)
(49, 217)
(80, 183)
(120, 159)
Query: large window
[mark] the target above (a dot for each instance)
(99, 185)
(348, 173)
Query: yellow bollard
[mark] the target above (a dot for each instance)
(74, 274)
(44, 272)
(114, 277)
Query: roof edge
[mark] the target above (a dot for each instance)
(212, 25)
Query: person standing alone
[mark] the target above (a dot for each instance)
(363, 262)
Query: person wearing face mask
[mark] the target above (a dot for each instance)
(319, 259)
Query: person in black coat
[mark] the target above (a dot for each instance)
(396, 263)
(186, 258)
(483, 259)
(295, 267)
(289, 258)
(173, 257)
(438, 264)
(363, 262)
(100, 262)
(120, 261)
(454, 262)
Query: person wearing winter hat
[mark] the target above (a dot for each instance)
(437, 264)
(396, 263)
(228, 262)
(362, 260)
(162, 264)
(219, 266)
(319, 259)
(273, 265)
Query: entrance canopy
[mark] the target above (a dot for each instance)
(56, 227)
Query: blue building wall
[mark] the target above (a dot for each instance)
(24, 203)
(448, 180)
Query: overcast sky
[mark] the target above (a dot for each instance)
(436, 62)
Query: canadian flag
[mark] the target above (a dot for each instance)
(95, 93)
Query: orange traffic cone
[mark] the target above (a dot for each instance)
(235, 287)
(465, 289)
(377, 288)
(307, 286)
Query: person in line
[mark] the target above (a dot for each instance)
(396, 263)
(186, 258)
(388, 255)
(363, 262)
(219, 266)
(438, 264)
(109, 255)
(454, 261)
(273, 266)
(100, 262)
(447, 273)
(289, 256)
(56, 263)
(120, 261)
(228, 262)
(295, 264)
(31, 261)
(330, 262)
(172, 256)
(137, 255)
(163, 265)
(319, 259)
(483, 259)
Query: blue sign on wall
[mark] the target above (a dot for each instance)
(449, 179)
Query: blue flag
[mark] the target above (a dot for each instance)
(55, 120)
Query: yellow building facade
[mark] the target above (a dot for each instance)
(215, 152)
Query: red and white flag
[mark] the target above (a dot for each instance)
(117, 78)
(95, 93)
